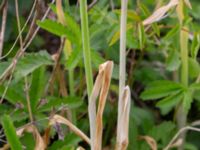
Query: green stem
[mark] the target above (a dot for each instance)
(86, 45)
(184, 57)
(181, 114)
(122, 65)
(71, 82)
(72, 93)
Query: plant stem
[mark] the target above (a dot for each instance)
(71, 82)
(28, 99)
(181, 114)
(86, 45)
(122, 67)
(72, 93)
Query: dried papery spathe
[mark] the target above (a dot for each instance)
(123, 123)
(160, 12)
(100, 89)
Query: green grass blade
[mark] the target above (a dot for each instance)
(10, 133)
(86, 45)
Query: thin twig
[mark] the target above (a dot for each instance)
(3, 26)
(26, 23)
(92, 4)
(28, 99)
(56, 65)
(21, 48)
(182, 130)
(2, 5)
(20, 53)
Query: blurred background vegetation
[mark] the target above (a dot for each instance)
(57, 85)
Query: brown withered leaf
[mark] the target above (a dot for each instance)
(101, 87)
(46, 135)
(39, 145)
(151, 142)
(160, 12)
(59, 119)
(187, 2)
(60, 12)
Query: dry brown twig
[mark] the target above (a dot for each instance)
(175, 138)
(21, 52)
(100, 89)
(24, 26)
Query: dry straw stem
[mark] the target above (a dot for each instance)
(161, 12)
(122, 65)
(100, 89)
(24, 26)
(151, 142)
(175, 138)
(59, 119)
(123, 122)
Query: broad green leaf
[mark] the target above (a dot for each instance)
(116, 36)
(73, 26)
(99, 36)
(37, 87)
(163, 132)
(10, 133)
(159, 89)
(31, 62)
(3, 66)
(187, 100)
(70, 140)
(169, 102)
(14, 94)
(70, 102)
(74, 58)
(195, 45)
(171, 33)
(190, 146)
(27, 141)
(194, 68)
(194, 86)
(57, 29)
(131, 14)
(173, 61)
(96, 58)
